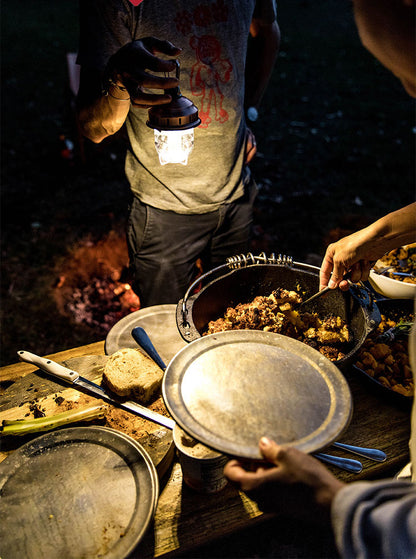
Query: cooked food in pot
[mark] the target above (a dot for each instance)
(276, 313)
(384, 356)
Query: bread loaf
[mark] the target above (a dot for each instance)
(128, 372)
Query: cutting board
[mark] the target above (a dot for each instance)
(37, 391)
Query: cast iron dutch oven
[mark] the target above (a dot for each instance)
(244, 277)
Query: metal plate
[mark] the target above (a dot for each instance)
(78, 492)
(229, 389)
(160, 324)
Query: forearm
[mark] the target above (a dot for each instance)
(105, 115)
(393, 230)
(263, 50)
(357, 252)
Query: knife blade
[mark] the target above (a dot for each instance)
(85, 385)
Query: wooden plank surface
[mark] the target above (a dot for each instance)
(36, 392)
(185, 519)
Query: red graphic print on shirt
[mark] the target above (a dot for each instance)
(211, 69)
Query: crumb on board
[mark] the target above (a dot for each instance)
(115, 418)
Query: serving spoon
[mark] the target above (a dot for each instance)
(321, 292)
(315, 296)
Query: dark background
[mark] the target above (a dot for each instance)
(336, 151)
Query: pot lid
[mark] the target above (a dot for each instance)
(229, 389)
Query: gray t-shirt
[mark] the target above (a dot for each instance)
(213, 35)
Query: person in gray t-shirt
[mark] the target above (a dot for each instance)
(179, 213)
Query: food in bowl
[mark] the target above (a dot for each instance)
(384, 355)
(385, 277)
(277, 313)
(401, 260)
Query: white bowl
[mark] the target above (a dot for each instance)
(388, 287)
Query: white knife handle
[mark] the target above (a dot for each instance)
(49, 366)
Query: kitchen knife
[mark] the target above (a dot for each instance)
(81, 383)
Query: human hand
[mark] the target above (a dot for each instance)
(289, 481)
(349, 254)
(251, 146)
(131, 65)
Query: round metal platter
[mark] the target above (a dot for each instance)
(229, 389)
(159, 322)
(77, 492)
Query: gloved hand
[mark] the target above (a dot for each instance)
(131, 65)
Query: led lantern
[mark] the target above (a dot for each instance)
(173, 126)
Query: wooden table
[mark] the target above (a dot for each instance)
(185, 519)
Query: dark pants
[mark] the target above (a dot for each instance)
(164, 246)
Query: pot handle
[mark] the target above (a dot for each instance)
(234, 262)
(366, 300)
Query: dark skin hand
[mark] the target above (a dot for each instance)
(132, 66)
(289, 482)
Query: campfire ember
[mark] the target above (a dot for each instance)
(93, 285)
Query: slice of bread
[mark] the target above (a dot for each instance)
(128, 372)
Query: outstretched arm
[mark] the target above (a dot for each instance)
(368, 518)
(357, 253)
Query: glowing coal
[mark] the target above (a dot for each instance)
(93, 285)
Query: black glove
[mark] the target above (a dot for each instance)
(131, 64)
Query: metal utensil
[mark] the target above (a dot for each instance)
(382, 271)
(402, 274)
(85, 385)
(347, 464)
(315, 296)
(142, 339)
(371, 453)
(323, 291)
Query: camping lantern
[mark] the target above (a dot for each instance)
(173, 126)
